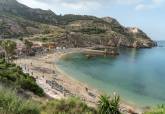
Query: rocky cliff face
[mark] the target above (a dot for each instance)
(75, 30)
(141, 39)
(136, 36)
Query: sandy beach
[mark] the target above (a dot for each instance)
(57, 84)
(46, 72)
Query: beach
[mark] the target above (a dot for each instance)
(57, 84)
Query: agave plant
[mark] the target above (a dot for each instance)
(109, 105)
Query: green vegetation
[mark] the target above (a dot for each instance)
(9, 47)
(66, 19)
(47, 37)
(158, 110)
(21, 38)
(44, 38)
(91, 30)
(69, 106)
(13, 75)
(10, 103)
(109, 105)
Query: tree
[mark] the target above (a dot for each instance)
(9, 48)
(109, 105)
(28, 45)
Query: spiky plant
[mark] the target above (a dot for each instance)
(109, 105)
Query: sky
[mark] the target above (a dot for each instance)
(148, 15)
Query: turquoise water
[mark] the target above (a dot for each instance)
(137, 75)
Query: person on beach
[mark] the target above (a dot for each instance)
(53, 71)
(86, 89)
(43, 75)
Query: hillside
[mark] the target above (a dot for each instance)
(69, 30)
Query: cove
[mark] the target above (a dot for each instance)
(137, 75)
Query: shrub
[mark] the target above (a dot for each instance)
(93, 31)
(67, 106)
(21, 38)
(29, 84)
(158, 110)
(10, 103)
(11, 74)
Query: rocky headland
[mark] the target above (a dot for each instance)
(18, 20)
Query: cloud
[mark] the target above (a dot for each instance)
(140, 7)
(128, 2)
(72, 3)
(65, 6)
(151, 5)
(78, 4)
(86, 6)
(82, 4)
